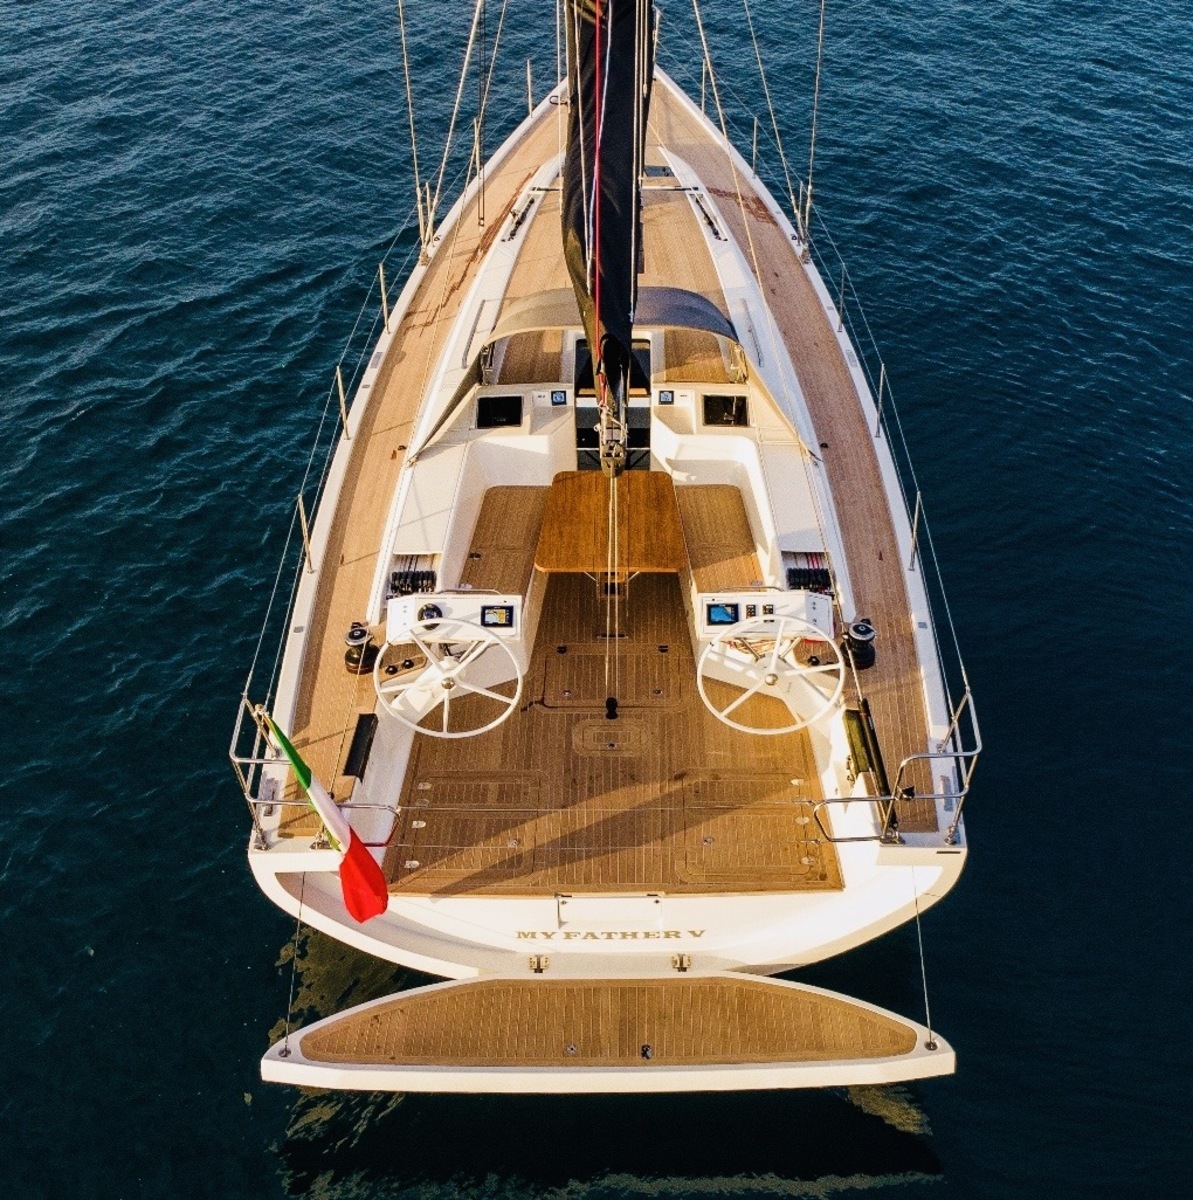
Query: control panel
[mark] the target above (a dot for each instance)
(715, 613)
(501, 615)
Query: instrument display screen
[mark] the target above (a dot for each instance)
(497, 616)
(722, 614)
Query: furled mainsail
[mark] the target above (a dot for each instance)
(610, 46)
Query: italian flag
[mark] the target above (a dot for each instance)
(365, 892)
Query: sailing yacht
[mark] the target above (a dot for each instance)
(610, 686)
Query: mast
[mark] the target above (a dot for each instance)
(610, 51)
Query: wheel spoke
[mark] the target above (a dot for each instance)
(393, 689)
(820, 670)
(473, 653)
(774, 654)
(724, 712)
(447, 704)
(431, 658)
(481, 691)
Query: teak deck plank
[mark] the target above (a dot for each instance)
(577, 1023)
(560, 799)
(501, 556)
(717, 533)
(894, 685)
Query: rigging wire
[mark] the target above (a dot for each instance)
(919, 933)
(480, 114)
(770, 329)
(422, 216)
(451, 128)
(302, 888)
(815, 113)
(769, 105)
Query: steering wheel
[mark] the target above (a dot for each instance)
(786, 658)
(444, 666)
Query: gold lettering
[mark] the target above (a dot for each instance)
(626, 936)
(523, 934)
(547, 935)
(652, 933)
(695, 933)
(569, 934)
(608, 936)
(671, 933)
(590, 937)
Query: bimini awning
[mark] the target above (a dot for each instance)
(658, 307)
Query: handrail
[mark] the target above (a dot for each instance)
(964, 760)
(354, 805)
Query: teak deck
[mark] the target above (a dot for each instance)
(329, 698)
(613, 1023)
(665, 797)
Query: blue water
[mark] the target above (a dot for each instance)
(193, 197)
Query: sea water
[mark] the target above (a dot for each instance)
(193, 200)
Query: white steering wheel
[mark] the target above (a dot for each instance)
(786, 658)
(445, 665)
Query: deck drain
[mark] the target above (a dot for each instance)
(647, 1050)
(411, 864)
(418, 824)
(570, 1048)
(513, 843)
(801, 820)
(708, 841)
(807, 860)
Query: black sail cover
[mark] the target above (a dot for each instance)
(601, 232)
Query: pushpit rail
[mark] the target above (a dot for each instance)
(252, 755)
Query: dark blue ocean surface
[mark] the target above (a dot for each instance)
(193, 197)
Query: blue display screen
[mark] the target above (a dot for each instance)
(723, 614)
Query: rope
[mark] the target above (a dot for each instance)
(302, 888)
(919, 933)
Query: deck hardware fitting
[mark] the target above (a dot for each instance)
(343, 403)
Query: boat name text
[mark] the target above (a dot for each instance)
(608, 935)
